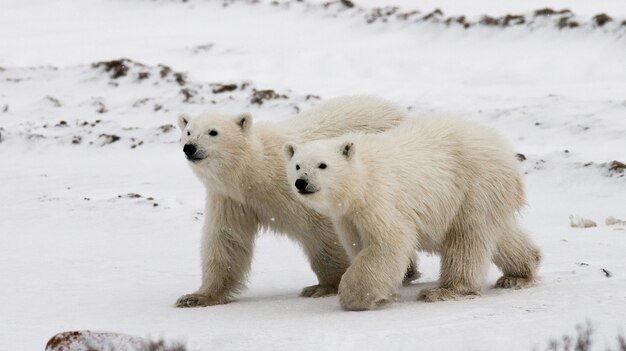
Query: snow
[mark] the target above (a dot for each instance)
(77, 252)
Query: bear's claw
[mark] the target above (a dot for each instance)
(197, 300)
(509, 282)
(442, 294)
(319, 291)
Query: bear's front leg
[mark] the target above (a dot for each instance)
(227, 247)
(378, 270)
(372, 280)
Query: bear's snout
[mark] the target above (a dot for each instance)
(301, 184)
(189, 150)
(304, 187)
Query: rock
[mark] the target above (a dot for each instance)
(601, 19)
(576, 221)
(616, 166)
(610, 220)
(86, 340)
(223, 88)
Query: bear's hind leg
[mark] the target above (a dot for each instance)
(518, 258)
(464, 261)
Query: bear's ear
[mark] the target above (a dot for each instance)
(183, 119)
(347, 150)
(290, 150)
(244, 121)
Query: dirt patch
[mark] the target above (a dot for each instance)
(380, 14)
(201, 48)
(406, 15)
(143, 75)
(100, 107)
(259, 96)
(617, 167)
(459, 20)
(178, 77)
(55, 102)
(489, 21)
(434, 14)
(513, 20)
(188, 94)
(166, 128)
(567, 22)
(116, 68)
(549, 12)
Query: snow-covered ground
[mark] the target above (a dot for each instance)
(100, 216)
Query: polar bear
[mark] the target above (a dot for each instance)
(434, 183)
(242, 167)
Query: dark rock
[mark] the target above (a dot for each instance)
(601, 19)
(109, 138)
(347, 3)
(222, 88)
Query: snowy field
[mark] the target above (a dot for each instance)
(100, 216)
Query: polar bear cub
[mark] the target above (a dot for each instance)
(436, 184)
(242, 168)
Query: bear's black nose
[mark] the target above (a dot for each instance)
(301, 184)
(189, 150)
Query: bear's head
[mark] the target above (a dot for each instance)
(319, 171)
(214, 140)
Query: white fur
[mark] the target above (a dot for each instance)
(434, 183)
(243, 171)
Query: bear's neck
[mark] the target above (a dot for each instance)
(350, 196)
(239, 180)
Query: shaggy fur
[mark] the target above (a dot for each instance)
(436, 184)
(242, 168)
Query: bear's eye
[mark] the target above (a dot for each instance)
(297, 167)
(188, 133)
(322, 166)
(213, 132)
